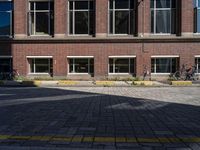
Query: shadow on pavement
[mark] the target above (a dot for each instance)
(79, 118)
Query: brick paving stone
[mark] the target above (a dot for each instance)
(148, 114)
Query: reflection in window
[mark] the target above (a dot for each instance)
(197, 15)
(41, 17)
(6, 18)
(81, 65)
(81, 17)
(163, 16)
(164, 65)
(121, 16)
(41, 65)
(121, 65)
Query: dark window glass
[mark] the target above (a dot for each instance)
(122, 65)
(41, 65)
(91, 66)
(81, 22)
(164, 65)
(162, 3)
(71, 5)
(122, 22)
(198, 20)
(82, 18)
(121, 4)
(42, 6)
(5, 6)
(42, 23)
(197, 63)
(5, 23)
(81, 5)
(5, 65)
(5, 18)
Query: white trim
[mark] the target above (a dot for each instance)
(123, 56)
(197, 56)
(160, 73)
(164, 56)
(5, 56)
(39, 56)
(80, 56)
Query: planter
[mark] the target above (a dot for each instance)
(105, 83)
(67, 82)
(181, 83)
(31, 83)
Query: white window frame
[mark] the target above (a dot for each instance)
(33, 58)
(73, 13)
(78, 57)
(154, 20)
(164, 57)
(113, 16)
(197, 64)
(11, 18)
(121, 57)
(39, 11)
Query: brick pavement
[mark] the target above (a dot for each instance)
(100, 118)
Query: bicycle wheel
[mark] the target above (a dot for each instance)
(177, 75)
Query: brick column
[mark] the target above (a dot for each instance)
(59, 66)
(187, 17)
(144, 18)
(60, 18)
(20, 21)
(101, 18)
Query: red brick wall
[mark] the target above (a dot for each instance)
(101, 52)
(20, 15)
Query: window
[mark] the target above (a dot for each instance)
(5, 65)
(197, 15)
(81, 17)
(122, 65)
(41, 17)
(197, 63)
(122, 17)
(164, 65)
(163, 20)
(41, 65)
(6, 8)
(81, 65)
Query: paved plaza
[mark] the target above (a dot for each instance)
(135, 118)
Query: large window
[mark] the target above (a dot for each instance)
(81, 65)
(122, 65)
(41, 17)
(6, 18)
(197, 15)
(41, 65)
(122, 16)
(197, 63)
(81, 17)
(164, 65)
(163, 14)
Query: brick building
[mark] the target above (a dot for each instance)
(98, 38)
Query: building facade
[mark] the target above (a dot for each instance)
(86, 39)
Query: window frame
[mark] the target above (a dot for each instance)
(163, 57)
(155, 9)
(113, 20)
(34, 65)
(79, 57)
(121, 57)
(11, 18)
(197, 61)
(80, 10)
(49, 11)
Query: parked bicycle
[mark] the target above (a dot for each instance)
(9, 75)
(185, 73)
